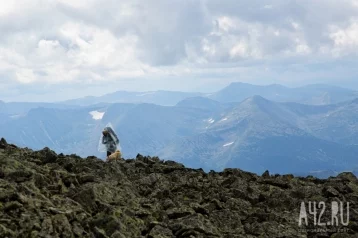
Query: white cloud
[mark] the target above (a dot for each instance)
(7, 8)
(295, 25)
(93, 46)
(25, 76)
(92, 41)
(49, 49)
(355, 3)
(239, 50)
(346, 37)
(303, 49)
(268, 6)
(78, 3)
(226, 23)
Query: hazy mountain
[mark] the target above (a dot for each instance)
(20, 108)
(311, 94)
(204, 103)
(166, 98)
(255, 134)
(318, 94)
(147, 128)
(237, 92)
(338, 124)
(142, 128)
(63, 129)
(4, 118)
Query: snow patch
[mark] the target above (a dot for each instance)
(144, 94)
(96, 115)
(211, 121)
(228, 144)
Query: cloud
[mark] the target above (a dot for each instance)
(95, 42)
(345, 38)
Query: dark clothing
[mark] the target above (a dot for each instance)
(108, 153)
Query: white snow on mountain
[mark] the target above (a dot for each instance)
(144, 94)
(211, 121)
(228, 144)
(96, 115)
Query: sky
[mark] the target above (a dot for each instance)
(52, 50)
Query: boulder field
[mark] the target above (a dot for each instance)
(44, 194)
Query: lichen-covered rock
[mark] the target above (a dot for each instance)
(160, 232)
(43, 194)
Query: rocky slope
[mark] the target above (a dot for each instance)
(43, 194)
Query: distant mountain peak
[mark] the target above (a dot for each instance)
(315, 94)
(200, 102)
(274, 85)
(238, 83)
(277, 86)
(256, 99)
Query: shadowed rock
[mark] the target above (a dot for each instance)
(3, 143)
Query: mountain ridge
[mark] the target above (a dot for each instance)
(200, 132)
(317, 94)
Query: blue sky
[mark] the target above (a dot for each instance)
(53, 50)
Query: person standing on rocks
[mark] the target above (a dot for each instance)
(110, 140)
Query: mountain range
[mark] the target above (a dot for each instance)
(165, 98)
(256, 134)
(259, 134)
(317, 94)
